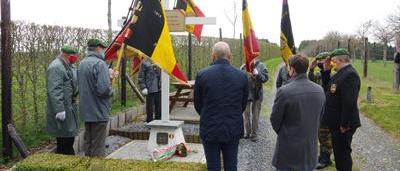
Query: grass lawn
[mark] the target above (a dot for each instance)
(385, 108)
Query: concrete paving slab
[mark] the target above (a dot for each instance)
(187, 114)
(136, 150)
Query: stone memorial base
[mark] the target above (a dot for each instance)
(136, 150)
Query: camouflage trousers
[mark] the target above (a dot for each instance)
(325, 140)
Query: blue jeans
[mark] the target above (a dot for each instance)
(229, 151)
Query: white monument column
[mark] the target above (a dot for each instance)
(166, 133)
(164, 96)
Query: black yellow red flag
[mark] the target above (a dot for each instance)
(191, 10)
(147, 34)
(287, 42)
(251, 47)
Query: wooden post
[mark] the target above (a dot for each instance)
(109, 22)
(6, 105)
(189, 72)
(123, 82)
(348, 45)
(365, 57)
(17, 141)
(338, 44)
(220, 34)
(134, 88)
(241, 48)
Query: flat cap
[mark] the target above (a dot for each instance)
(323, 55)
(69, 49)
(339, 52)
(94, 42)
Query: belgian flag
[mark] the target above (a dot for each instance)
(287, 41)
(147, 35)
(251, 47)
(192, 10)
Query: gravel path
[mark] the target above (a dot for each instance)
(374, 149)
(257, 156)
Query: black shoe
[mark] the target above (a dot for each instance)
(322, 165)
(246, 136)
(254, 138)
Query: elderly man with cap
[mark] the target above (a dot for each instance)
(95, 93)
(61, 107)
(324, 136)
(252, 113)
(341, 110)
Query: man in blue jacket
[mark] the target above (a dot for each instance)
(220, 97)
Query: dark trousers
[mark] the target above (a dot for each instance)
(65, 145)
(95, 138)
(342, 149)
(153, 102)
(229, 151)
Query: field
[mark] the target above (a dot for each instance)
(384, 110)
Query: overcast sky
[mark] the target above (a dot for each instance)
(311, 19)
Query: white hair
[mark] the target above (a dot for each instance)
(221, 50)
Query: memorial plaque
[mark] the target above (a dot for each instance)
(176, 20)
(162, 138)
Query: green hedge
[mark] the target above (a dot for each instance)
(56, 162)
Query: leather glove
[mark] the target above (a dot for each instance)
(145, 92)
(60, 116)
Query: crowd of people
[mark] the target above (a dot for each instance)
(308, 107)
(318, 106)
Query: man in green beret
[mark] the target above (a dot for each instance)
(324, 136)
(341, 111)
(61, 107)
(95, 93)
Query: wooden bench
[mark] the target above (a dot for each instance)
(184, 93)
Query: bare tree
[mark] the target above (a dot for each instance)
(109, 22)
(331, 39)
(232, 19)
(385, 36)
(365, 29)
(394, 21)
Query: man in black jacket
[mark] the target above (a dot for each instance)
(220, 97)
(341, 111)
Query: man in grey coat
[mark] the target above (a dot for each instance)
(61, 107)
(295, 117)
(253, 108)
(150, 84)
(95, 93)
(283, 77)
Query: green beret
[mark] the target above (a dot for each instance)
(323, 55)
(69, 49)
(96, 42)
(339, 52)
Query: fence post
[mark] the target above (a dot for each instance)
(189, 72)
(6, 77)
(365, 57)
